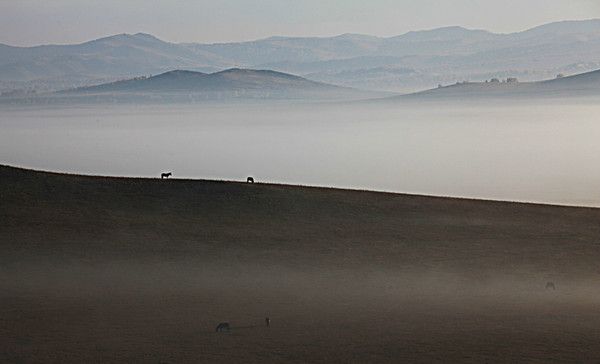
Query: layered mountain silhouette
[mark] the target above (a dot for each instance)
(409, 62)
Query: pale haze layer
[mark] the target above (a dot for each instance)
(33, 22)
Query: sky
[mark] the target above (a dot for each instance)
(34, 22)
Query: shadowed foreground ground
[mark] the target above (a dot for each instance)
(136, 270)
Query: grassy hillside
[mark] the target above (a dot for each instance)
(575, 86)
(97, 269)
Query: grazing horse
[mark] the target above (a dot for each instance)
(165, 175)
(250, 180)
(550, 285)
(223, 327)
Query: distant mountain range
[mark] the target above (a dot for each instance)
(233, 83)
(409, 62)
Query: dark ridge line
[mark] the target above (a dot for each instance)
(306, 187)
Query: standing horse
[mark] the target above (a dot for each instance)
(165, 175)
(223, 327)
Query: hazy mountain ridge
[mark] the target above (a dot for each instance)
(443, 55)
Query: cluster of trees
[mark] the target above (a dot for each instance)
(508, 80)
(18, 93)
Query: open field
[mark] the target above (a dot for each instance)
(124, 270)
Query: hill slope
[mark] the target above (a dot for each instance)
(580, 85)
(127, 270)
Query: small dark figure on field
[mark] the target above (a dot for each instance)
(550, 285)
(250, 180)
(165, 175)
(223, 327)
(268, 322)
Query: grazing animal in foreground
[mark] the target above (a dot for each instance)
(223, 327)
(550, 285)
(250, 180)
(165, 175)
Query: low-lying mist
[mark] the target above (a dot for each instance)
(537, 151)
(312, 285)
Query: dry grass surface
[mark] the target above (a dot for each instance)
(120, 270)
